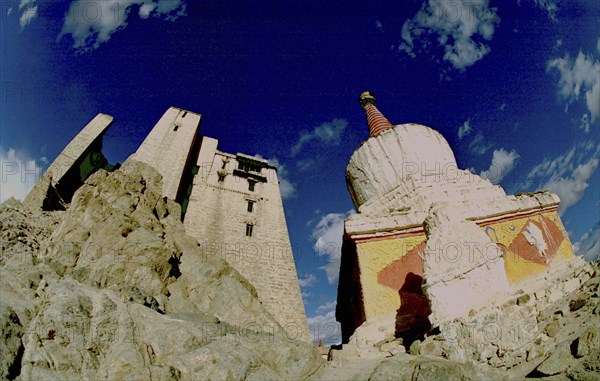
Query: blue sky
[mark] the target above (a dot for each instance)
(513, 86)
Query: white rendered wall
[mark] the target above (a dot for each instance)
(382, 162)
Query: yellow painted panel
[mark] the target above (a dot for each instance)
(526, 242)
(373, 257)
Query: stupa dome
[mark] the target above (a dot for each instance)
(393, 155)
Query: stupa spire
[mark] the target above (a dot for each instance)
(377, 122)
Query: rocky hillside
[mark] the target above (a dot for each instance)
(113, 288)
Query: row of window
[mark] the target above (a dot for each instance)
(246, 167)
(251, 184)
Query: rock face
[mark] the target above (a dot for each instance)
(529, 337)
(113, 288)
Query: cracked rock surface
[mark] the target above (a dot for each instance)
(113, 288)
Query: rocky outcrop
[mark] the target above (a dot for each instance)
(113, 288)
(547, 334)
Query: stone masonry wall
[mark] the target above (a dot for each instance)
(167, 147)
(217, 216)
(65, 160)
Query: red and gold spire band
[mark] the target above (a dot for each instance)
(377, 122)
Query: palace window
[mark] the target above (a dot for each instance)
(249, 228)
(246, 167)
(251, 185)
(250, 206)
(221, 178)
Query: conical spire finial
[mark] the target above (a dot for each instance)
(377, 122)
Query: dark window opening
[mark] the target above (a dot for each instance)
(248, 167)
(251, 186)
(184, 114)
(249, 228)
(221, 178)
(224, 165)
(250, 206)
(175, 127)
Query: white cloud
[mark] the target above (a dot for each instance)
(328, 236)
(305, 164)
(28, 12)
(18, 173)
(146, 9)
(549, 6)
(307, 281)
(26, 3)
(584, 123)
(329, 133)
(28, 16)
(464, 130)
(479, 145)
(556, 167)
(571, 188)
(589, 245)
(326, 307)
(460, 27)
(579, 77)
(92, 23)
(324, 326)
(567, 175)
(286, 186)
(502, 163)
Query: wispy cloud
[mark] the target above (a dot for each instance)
(19, 174)
(328, 133)
(305, 164)
(307, 281)
(323, 326)
(584, 123)
(589, 245)
(286, 186)
(92, 23)
(579, 77)
(328, 236)
(464, 130)
(567, 175)
(28, 10)
(460, 27)
(571, 188)
(479, 145)
(502, 163)
(553, 167)
(549, 6)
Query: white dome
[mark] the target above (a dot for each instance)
(382, 162)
